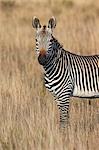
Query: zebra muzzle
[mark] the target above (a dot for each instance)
(42, 59)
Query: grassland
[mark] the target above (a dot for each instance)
(29, 118)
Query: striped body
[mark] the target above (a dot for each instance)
(66, 74)
(83, 72)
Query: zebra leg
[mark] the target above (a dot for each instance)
(64, 111)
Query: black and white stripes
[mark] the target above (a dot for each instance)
(66, 74)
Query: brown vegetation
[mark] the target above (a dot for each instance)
(29, 118)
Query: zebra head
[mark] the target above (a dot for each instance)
(43, 38)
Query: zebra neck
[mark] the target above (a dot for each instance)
(55, 48)
(55, 53)
(56, 45)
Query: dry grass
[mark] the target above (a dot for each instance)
(28, 115)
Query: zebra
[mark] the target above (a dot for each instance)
(65, 74)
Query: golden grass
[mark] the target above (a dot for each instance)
(29, 118)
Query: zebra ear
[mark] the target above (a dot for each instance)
(52, 23)
(36, 23)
